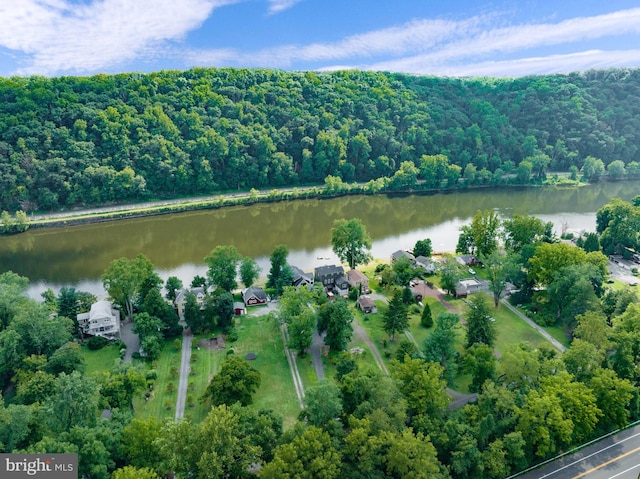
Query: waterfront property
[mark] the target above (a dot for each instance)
(102, 320)
(254, 296)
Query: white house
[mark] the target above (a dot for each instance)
(102, 320)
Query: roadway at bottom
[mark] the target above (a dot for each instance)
(616, 457)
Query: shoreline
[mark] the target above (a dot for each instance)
(108, 213)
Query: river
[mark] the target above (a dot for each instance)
(177, 243)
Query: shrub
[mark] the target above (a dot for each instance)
(232, 335)
(97, 342)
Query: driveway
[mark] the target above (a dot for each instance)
(130, 339)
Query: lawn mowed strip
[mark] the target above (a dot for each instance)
(100, 360)
(162, 399)
(257, 334)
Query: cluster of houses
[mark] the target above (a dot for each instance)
(104, 320)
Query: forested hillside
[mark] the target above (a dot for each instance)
(72, 140)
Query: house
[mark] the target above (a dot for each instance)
(358, 280)
(465, 287)
(396, 255)
(102, 320)
(239, 308)
(333, 279)
(420, 290)
(300, 278)
(367, 305)
(427, 264)
(341, 286)
(181, 298)
(254, 296)
(327, 275)
(467, 260)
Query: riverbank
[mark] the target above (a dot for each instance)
(331, 189)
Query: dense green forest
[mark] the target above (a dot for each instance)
(72, 141)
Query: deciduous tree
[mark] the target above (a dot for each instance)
(236, 381)
(480, 327)
(249, 271)
(223, 267)
(123, 280)
(351, 241)
(335, 319)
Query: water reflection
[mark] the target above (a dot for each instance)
(177, 243)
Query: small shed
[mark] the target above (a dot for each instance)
(239, 308)
(367, 305)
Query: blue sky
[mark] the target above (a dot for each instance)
(434, 37)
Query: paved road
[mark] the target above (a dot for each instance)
(187, 338)
(617, 457)
(531, 323)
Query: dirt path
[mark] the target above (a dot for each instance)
(293, 366)
(361, 335)
(559, 346)
(316, 353)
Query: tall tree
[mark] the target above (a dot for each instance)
(309, 455)
(440, 345)
(280, 274)
(395, 318)
(73, 403)
(335, 319)
(223, 267)
(301, 329)
(351, 241)
(123, 280)
(323, 404)
(522, 230)
(172, 285)
(450, 275)
(421, 383)
(480, 327)
(423, 248)
(479, 361)
(249, 271)
(485, 225)
(236, 381)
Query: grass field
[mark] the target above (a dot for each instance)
(205, 363)
(258, 335)
(162, 401)
(100, 360)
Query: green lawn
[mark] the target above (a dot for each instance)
(204, 364)
(258, 335)
(100, 360)
(162, 400)
(558, 333)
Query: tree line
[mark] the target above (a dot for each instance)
(72, 141)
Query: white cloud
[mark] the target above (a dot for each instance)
(580, 61)
(453, 47)
(58, 35)
(519, 38)
(411, 37)
(276, 6)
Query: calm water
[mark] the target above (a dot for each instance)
(177, 244)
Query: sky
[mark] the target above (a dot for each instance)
(455, 38)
